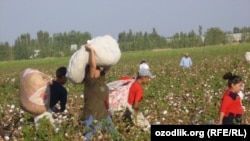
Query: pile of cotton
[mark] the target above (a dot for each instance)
(247, 56)
(34, 91)
(107, 55)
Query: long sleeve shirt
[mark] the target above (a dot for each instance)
(231, 103)
(58, 94)
(186, 62)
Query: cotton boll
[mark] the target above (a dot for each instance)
(57, 130)
(157, 123)
(21, 120)
(100, 137)
(6, 138)
(12, 106)
(65, 111)
(164, 112)
(180, 121)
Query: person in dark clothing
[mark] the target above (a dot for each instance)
(58, 92)
(231, 108)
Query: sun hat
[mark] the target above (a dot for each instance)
(145, 72)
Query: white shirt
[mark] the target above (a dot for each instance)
(186, 62)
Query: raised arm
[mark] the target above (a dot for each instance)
(92, 61)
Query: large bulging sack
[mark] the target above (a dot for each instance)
(34, 91)
(107, 55)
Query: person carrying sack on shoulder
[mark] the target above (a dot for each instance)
(96, 95)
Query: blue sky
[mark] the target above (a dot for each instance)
(100, 17)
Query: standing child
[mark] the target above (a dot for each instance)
(231, 108)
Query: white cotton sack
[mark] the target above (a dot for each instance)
(34, 91)
(247, 57)
(107, 55)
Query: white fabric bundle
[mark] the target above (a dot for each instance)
(107, 54)
(34, 91)
(247, 56)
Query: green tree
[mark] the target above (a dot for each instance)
(236, 30)
(5, 52)
(43, 39)
(22, 47)
(200, 30)
(245, 34)
(215, 36)
(175, 41)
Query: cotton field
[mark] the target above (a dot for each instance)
(175, 96)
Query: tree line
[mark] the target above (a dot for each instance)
(59, 44)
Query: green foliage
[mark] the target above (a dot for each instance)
(215, 36)
(59, 44)
(28, 133)
(45, 130)
(139, 41)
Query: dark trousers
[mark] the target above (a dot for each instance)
(232, 119)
